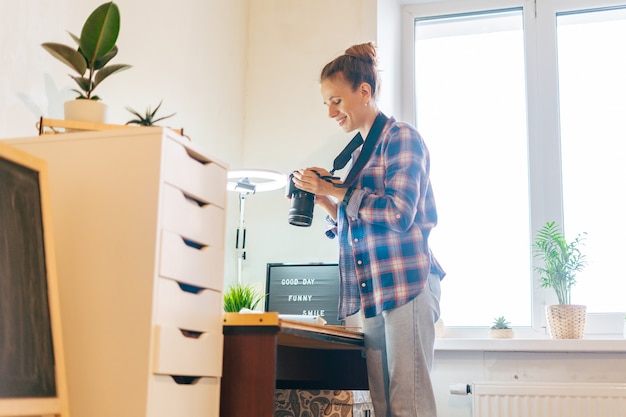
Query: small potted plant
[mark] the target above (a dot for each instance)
(501, 329)
(240, 296)
(561, 261)
(149, 119)
(90, 59)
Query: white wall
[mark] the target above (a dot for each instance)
(286, 124)
(190, 53)
(389, 42)
(468, 366)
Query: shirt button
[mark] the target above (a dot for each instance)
(356, 240)
(363, 285)
(397, 216)
(359, 262)
(353, 218)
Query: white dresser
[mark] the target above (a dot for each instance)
(138, 220)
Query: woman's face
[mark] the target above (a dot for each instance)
(348, 108)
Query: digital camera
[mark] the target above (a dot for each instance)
(302, 204)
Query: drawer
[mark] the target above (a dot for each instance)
(178, 354)
(184, 262)
(200, 398)
(194, 173)
(186, 310)
(204, 224)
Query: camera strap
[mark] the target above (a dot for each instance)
(368, 147)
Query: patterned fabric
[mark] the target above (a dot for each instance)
(313, 403)
(384, 257)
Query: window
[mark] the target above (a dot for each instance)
(470, 107)
(592, 86)
(522, 110)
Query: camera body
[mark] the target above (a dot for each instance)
(302, 205)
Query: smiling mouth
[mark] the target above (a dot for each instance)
(342, 120)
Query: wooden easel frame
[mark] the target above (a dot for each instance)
(53, 124)
(42, 406)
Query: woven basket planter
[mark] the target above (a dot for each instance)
(566, 321)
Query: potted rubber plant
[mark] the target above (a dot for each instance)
(561, 261)
(90, 59)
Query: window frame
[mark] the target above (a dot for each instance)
(541, 68)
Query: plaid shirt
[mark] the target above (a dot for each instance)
(384, 259)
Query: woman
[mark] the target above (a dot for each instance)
(382, 213)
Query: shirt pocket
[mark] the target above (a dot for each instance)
(373, 178)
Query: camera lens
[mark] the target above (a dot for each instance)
(301, 211)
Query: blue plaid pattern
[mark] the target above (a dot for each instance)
(384, 259)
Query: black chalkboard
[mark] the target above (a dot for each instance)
(27, 367)
(303, 289)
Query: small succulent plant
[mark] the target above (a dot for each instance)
(149, 119)
(500, 323)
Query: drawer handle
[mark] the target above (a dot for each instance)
(191, 334)
(193, 243)
(196, 156)
(193, 289)
(185, 380)
(194, 200)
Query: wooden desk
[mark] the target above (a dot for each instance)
(263, 352)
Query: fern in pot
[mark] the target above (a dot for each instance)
(561, 261)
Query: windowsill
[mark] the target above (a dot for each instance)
(531, 345)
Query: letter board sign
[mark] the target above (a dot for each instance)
(303, 289)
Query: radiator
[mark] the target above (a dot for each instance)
(522, 399)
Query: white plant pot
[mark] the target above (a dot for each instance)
(85, 111)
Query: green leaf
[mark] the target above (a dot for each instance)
(148, 119)
(155, 109)
(135, 112)
(80, 94)
(106, 71)
(100, 32)
(70, 57)
(501, 323)
(561, 260)
(241, 296)
(163, 118)
(76, 38)
(83, 83)
(101, 62)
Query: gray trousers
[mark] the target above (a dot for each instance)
(399, 346)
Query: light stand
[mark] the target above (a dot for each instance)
(240, 181)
